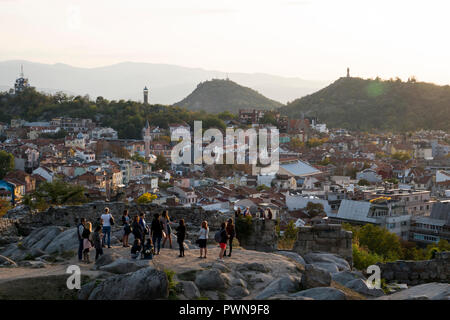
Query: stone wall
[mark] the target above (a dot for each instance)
(68, 216)
(325, 238)
(418, 272)
(262, 236)
(8, 227)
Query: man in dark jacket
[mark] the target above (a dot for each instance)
(80, 229)
(157, 230)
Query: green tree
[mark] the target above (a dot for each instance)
(6, 163)
(56, 192)
(363, 182)
(161, 163)
(314, 209)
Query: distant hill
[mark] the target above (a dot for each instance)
(167, 83)
(216, 96)
(361, 104)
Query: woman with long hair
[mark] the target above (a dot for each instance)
(203, 238)
(87, 244)
(231, 231)
(167, 228)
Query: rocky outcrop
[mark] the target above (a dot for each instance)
(427, 291)
(210, 280)
(360, 286)
(262, 236)
(123, 266)
(330, 262)
(418, 272)
(287, 284)
(322, 293)
(144, 284)
(315, 277)
(324, 238)
(6, 262)
(344, 277)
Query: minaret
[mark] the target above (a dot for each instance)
(147, 139)
(348, 72)
(145, 95)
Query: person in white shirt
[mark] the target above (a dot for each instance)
(106, 217)
(203, 238)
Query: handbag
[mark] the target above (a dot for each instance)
(111, 220)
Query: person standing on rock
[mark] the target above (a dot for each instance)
(167, 229)
(126, 228)
(231, 231)
(87, 244)
(203, 238)
(107, 218)
(181, 234)
(136, 228)
(157, 232)
(97, 240)
(144, 226)
(223, 240)
(80, 229)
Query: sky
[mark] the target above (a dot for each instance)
(310, 39)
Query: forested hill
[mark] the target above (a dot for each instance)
(216, 96)
(127, 117)
(360, 104)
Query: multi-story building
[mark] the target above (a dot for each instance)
(431, 229)
(250, 116)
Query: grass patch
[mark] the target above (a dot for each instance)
(173, 292)
(39, 288)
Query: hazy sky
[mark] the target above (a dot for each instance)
(311, 39)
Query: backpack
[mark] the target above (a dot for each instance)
(217, 236)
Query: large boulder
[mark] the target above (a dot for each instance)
(144, 284)
(189, 290)
(122, 266)
(106, 259)
(315, 277)
(210, 280)
(294, 256)
(65, 241)
(427, 291)
(286, 284)
(40, 238)
(253, 266)
(321, 293)
(360, 286)
(346, 276)
(328, 261)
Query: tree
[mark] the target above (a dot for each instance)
(363, 182)
(146, 198)
(4, 207)
(314, 209)
(56, 192)
(262, 187)
(6, 163)
(296, 143)
(402, 156)
(161, 163)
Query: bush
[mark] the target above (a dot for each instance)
(362, 258)
(172, 284)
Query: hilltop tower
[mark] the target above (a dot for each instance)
(21, 82)
(145, 95)
(348, 72)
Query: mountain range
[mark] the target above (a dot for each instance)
(167, 83)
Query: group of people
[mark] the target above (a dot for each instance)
(147, 237)
(260, 213)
